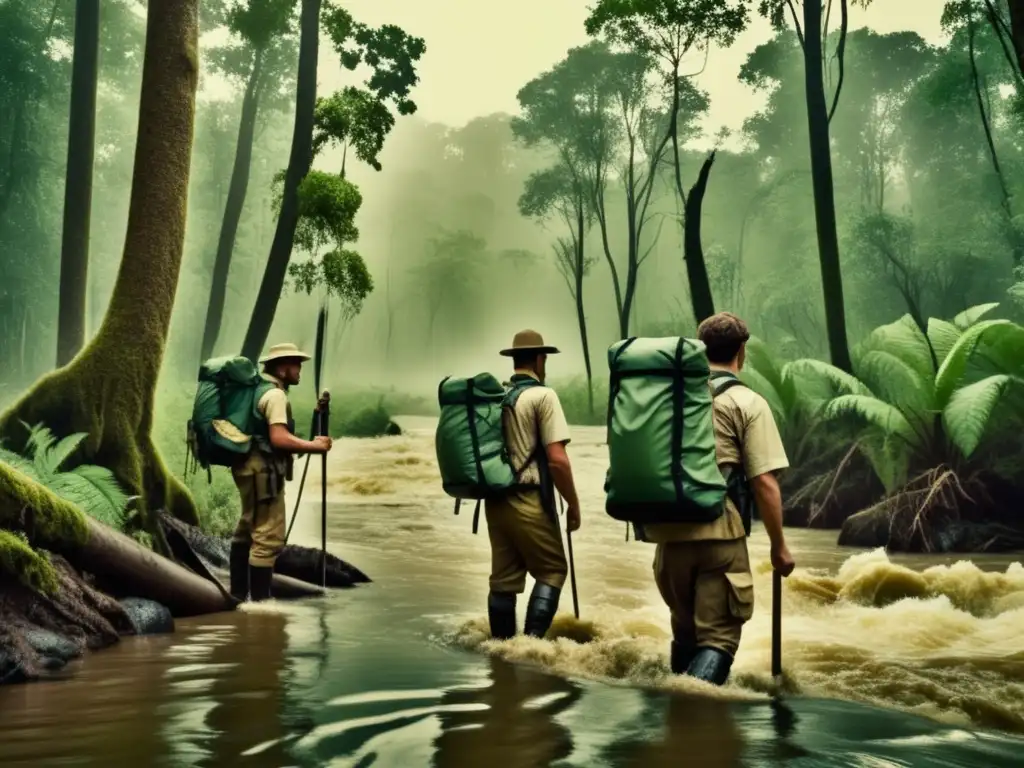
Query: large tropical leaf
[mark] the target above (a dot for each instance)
(760, 359)
(971, 315)
(967, 415)
(902, 339)
(953, 367)
(896, 382)
(839, 381)
(888, 456)
(875, 413)
(943, 335)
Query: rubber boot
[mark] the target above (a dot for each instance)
(710, 665)
(259, 582)
(238, 562)
(501, 611)
(540, 611)
(680, 657)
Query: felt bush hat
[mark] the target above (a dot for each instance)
(529, 341)
(286, 351)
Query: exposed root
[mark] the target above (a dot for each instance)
(82, 618)
(826, 499)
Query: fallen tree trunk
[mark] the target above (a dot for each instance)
(128, 569)
(121, 563)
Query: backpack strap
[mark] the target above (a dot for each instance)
(737, 487)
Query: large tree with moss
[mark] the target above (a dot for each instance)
(108, 390)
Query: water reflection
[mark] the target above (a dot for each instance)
(518, 727)
(245, 723)
(693, 729)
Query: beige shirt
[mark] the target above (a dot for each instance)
(538, 413)
(273, 406)
(745, 435)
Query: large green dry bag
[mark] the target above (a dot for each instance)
(470, 438)
(224, 414)
(661, 436)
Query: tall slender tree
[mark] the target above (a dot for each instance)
(262, 25)
(74, 252)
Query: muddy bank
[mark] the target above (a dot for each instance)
(47, 622)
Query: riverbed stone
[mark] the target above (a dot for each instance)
(147, 616)
(868, 529)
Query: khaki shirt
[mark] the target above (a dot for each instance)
(746, 436)
(276, 409)
(538, 413)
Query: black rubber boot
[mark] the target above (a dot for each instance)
(259, 582)
(540, 611)
(681, 656)
(710, 665)
(501, 610)
(238, 562)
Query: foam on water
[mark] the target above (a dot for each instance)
(933, 636)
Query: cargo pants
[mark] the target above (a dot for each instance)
(709, 589)
(525, 538)
(260, 483)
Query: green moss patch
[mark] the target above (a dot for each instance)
(31, 568)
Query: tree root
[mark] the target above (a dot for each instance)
(110, 401)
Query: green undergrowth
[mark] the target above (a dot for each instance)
(30, 568)
(573, 395)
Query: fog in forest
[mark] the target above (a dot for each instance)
(457, 268)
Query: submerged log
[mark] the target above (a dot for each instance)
(128, 569)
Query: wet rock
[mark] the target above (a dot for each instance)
(304, 563)
(868, 529)
(148, 617)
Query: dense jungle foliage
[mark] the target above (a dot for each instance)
(863, 219)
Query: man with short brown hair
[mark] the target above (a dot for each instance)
(702, 569)
(523, 524)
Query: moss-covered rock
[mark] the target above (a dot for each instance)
(26, 505)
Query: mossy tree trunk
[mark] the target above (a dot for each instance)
(108, 389)
(74, 252)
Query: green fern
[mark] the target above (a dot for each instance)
(94, 489)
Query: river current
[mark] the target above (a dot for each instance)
(889, 660)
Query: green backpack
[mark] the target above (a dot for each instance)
(470, 438)
(661, 435)
(224, 416)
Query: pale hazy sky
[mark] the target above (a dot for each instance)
(481, 52)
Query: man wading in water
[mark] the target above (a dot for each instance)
(260, 477)
(523, 524)
(702, 569)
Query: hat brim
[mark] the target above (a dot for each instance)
(538, 350)
(302, 356)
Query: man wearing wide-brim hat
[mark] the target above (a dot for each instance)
(260, 477)
(523, 524)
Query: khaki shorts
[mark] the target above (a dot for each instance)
(709, 588)
(524, 540)
(263, 511)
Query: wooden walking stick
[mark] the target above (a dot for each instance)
(572, 564)
(325, 412)
(777, 626)
(317, 427)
